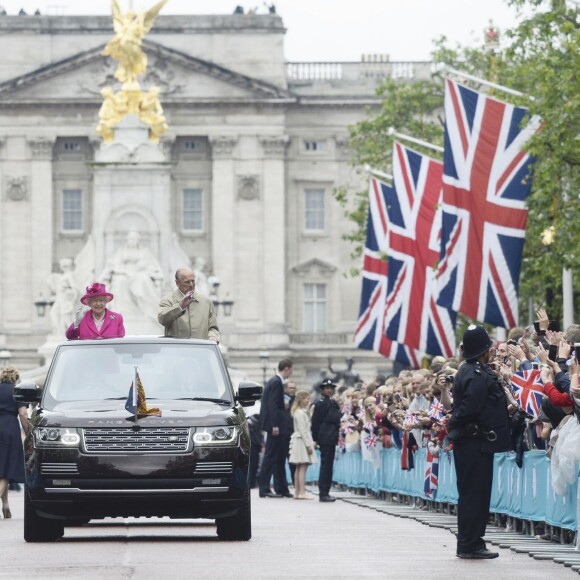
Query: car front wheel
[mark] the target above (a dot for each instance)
(37, 528)
(237, 528)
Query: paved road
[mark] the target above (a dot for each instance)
(291, 539)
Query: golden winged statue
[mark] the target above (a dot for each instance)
(125, 47)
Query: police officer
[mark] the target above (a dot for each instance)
(325, 426)
(479, 427)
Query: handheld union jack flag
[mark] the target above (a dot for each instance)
(485, 187)
(413, 317)
(370, 333)
(371, 441)
(431, 474)
(411, 420)
(528, 390)
(436, 410)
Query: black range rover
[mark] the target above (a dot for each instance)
(87, 457)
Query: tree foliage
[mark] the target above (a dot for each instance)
(542, 60)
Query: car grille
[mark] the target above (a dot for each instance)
(214, 467)
(59, 469)
(157, 439)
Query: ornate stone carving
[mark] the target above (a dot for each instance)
(223, 146)
(314, 267)
(342, 146)
(41, 148)
(274, 146)
(16, 188)
(160, 73)
(249, 186)
(167, 147)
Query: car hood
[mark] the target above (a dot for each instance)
(114, 414)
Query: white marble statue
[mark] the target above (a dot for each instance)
(201, 281)
(64, 288)
(134, 277)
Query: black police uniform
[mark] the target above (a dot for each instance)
(325, 427)
(479, 427)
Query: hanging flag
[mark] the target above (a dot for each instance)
(431, 473)
(370, 331)
(137, 401)
(414, 222)
(436, 410)
(485, 186)
(528, 390)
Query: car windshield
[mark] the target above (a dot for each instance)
(88, 372)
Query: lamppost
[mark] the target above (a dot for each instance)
(265, 358)
(41, 304)
(5, 356)
(227, 303)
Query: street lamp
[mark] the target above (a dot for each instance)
(41, 305)
(264, 357)
(5, 356)
(227, 302)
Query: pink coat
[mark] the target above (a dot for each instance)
(112, 327)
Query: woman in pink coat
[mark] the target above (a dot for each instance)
(99, 321)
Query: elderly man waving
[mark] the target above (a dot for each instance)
(186, 313)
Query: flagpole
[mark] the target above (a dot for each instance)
(454, 72)
(392, 133)
(136, 396)
(378, 173)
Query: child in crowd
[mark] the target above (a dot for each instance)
(301, 443)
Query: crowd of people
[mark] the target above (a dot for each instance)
(528, 398)
(518, 394)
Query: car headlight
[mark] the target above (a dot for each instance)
(56, 437)
(216, 436)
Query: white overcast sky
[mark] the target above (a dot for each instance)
(334, 30)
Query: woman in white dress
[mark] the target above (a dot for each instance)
(301, 443)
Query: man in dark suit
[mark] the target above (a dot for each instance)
(272, 419)
(280, 479)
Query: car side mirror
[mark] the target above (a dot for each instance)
(248, 393)
(27, 392)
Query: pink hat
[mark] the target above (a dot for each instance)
(94, 291)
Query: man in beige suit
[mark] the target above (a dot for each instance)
(186, 313)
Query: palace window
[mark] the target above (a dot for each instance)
(192, 209)
(314, 209)
(314, 308)
(72, 210)
(71, 146)
(313, 146)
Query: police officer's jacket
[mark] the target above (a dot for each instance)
(479, 408)
(326, 421)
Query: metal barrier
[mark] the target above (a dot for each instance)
(524, 493)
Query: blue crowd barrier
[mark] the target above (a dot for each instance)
(524, 492)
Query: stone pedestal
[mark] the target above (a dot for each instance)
(132, 192)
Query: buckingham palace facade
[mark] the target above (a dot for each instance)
(255, 148)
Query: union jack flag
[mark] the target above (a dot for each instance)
(413, 317)
(411, 420)
(436, 410)
(431, 473)
(370, 332)
(528, 390)
(485, 187)
(371, 441)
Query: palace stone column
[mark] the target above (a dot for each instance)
(272, 272)
(41, 212)
(223, 216)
